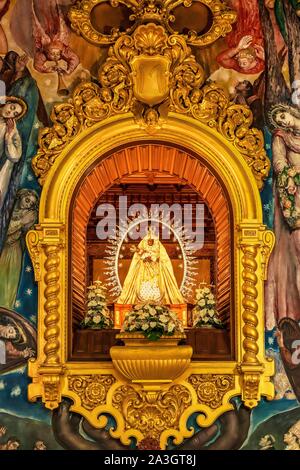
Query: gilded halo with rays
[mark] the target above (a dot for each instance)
(116, 240)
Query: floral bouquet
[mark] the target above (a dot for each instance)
(98, 316)
(204, 312)
(288, 181)
(153, 321)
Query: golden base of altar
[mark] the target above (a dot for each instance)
(120, 311)
(151, 363)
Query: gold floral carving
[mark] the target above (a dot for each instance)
(212, 106)
(92, 389)
(211, 388)
(152, 413)
(162, 12)
(251, 389)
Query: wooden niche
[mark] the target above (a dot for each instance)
(152, 174)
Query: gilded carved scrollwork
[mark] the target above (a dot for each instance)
(151, 73)
(150, 413)
(162, 12)
(35, 253)
(92, 389)
(211, 388)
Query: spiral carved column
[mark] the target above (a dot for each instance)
(250, 305)
(251, 369)
(51, 305)
(51, 368)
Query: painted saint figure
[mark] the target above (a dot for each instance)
(283, 287)
(10, 141)
(23, 218)
(150, 276)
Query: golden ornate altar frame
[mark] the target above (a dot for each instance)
(97, 388)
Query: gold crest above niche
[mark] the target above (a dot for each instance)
(219, 18)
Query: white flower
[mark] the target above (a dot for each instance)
(171, 327)
(152, 311)
(132, 327)
(211, 312)
(153, 324)
(206, 290)
(211, 296)
(163, 318)
(203, 311)
(92, 303)
(201, 303)
(145, 326)
(210, 302)
(97, 319)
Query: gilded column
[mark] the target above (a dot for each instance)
(51, 335)
(249, 304)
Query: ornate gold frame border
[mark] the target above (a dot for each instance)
(97, 388)
(158, 12)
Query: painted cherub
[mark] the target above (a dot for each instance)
(52, 50)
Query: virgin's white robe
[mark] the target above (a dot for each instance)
(11, 150)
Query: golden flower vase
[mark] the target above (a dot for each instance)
(151, 363)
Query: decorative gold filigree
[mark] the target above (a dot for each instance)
(92, 389)
(251, 389)
(53, 140)
(158, 11)
(212, 106)
(152, 413)
(151, 73)
(35, 253)
(52, 392)
(211, 388)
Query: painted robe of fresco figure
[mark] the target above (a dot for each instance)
(19, 83)
(283, 286)
(4, 7)
(23, 218)
(10, 142)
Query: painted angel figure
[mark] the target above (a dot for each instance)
(52, 52)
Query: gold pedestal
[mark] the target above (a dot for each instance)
(151, 363)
